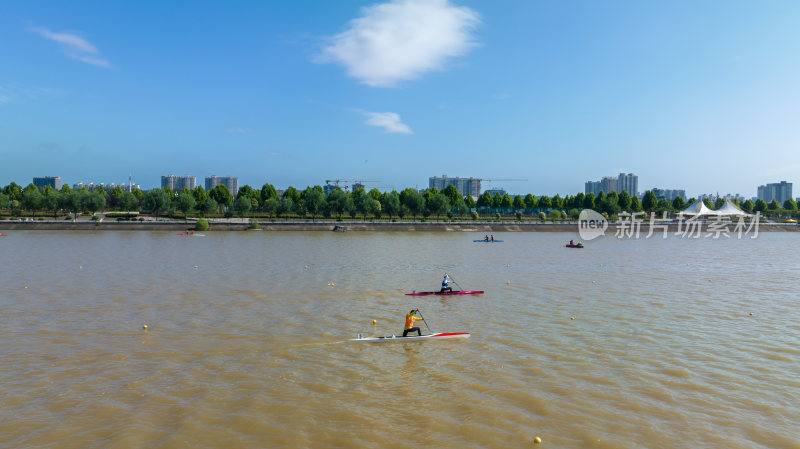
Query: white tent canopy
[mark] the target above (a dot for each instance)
(697, 208)
(731, 209)
(727, 210)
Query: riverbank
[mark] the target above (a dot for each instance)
(328, 226)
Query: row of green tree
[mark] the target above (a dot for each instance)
(313, 202)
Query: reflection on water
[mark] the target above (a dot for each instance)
(674, 343)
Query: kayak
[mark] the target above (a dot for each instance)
(487, 241)
(454, 292)
(437, 336)
(574, 246)
(191, 235)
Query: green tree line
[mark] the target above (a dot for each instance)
(313, 203)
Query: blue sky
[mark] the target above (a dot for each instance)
(702, 96)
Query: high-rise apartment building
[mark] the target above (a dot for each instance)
(231, 182)
(628, 183)
(609, 184)
(592, 187)
(623, 183)
(669, 194)
(178, 183)
(465, 186)
(52, 181)
(780, 191)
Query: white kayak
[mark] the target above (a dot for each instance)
(398, 338)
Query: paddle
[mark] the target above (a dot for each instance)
(423, 319)
(454, 281)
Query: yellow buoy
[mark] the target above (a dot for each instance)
(593, 282)
(508, 282)
(374, 322)
(144, 326)
(572, 317)
(537, 440)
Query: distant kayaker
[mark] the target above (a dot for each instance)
(446, 284)
(410, 318)
(493, 237)
(571, 243)
(486, 237)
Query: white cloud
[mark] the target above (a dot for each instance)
(401, 40)
(389, 121)
(74, 46)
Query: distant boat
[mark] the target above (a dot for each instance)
(487, 241)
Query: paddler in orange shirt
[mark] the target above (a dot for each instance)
(410, 318)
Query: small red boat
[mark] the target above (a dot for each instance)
(574, 246)
(454, 292)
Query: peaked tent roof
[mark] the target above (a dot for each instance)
(698, 208)
(729, 208)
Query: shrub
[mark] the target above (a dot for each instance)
(542, 216)
(202, 225)
(474, 215)
(519, 216)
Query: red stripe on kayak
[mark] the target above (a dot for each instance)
(446, 334)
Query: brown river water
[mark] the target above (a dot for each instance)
(676, 343)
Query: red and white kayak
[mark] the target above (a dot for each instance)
(399, 338)
(454, 292)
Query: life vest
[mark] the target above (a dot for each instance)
(410, 320)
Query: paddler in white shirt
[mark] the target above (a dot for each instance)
(446, 284)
